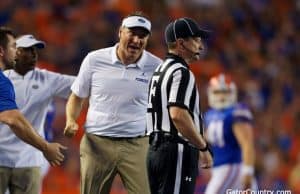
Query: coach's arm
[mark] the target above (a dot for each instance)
(24, 130)
(73, 109)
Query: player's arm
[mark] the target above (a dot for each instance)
(244, 134)
(24, 130)
(21, 127)
(73, 109)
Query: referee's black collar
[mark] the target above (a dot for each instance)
(177, 58)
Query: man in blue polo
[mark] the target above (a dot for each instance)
(10, 115)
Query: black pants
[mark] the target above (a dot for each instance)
(172, 168)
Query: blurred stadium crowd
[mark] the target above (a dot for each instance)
(255, 41)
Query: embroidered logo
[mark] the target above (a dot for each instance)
(35, 86)
(142, 78)
(141, 20)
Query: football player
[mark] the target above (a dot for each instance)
(229, 131)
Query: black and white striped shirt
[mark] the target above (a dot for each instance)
(172, 84)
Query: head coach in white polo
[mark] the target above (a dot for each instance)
(115, 79)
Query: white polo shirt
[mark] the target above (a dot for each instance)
(34, 92)
(117, 93)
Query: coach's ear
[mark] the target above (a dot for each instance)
(120, 31)
(1, 51)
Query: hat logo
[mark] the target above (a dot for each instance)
(141, 20)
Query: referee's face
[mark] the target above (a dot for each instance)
(132, 43)
(193, 47)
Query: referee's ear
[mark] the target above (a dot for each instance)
(180, 43)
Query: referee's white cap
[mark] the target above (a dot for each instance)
(29, 40)
(137, 21)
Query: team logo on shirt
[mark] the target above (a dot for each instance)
(142, 78)
(35, 86)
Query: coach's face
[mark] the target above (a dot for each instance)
(9, 55)
(132, 43)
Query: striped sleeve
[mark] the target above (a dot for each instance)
(181, 88)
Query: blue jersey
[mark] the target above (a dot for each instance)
(7, 94)
(219, 131)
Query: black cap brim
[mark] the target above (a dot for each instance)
(204, 34)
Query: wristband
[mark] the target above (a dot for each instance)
(247, 170)
(204, 149)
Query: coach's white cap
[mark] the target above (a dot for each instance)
(137, 21)
(29, 40)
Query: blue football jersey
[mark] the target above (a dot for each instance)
(7, 94)
(219, 132)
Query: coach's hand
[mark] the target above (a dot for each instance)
(52, 153)
(71, 129)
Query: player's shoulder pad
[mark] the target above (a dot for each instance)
(242, 110)
(209, 113)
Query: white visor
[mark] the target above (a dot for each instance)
(137, 21)
(29, 40)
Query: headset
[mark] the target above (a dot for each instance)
(194, 55)
(190, 50)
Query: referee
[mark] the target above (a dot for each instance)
(173, 117)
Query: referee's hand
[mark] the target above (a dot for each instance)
(71, 129)
(206, 160)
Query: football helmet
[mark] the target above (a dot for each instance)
(222, 92)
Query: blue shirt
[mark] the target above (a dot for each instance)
(7, 94)
(219, 130)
